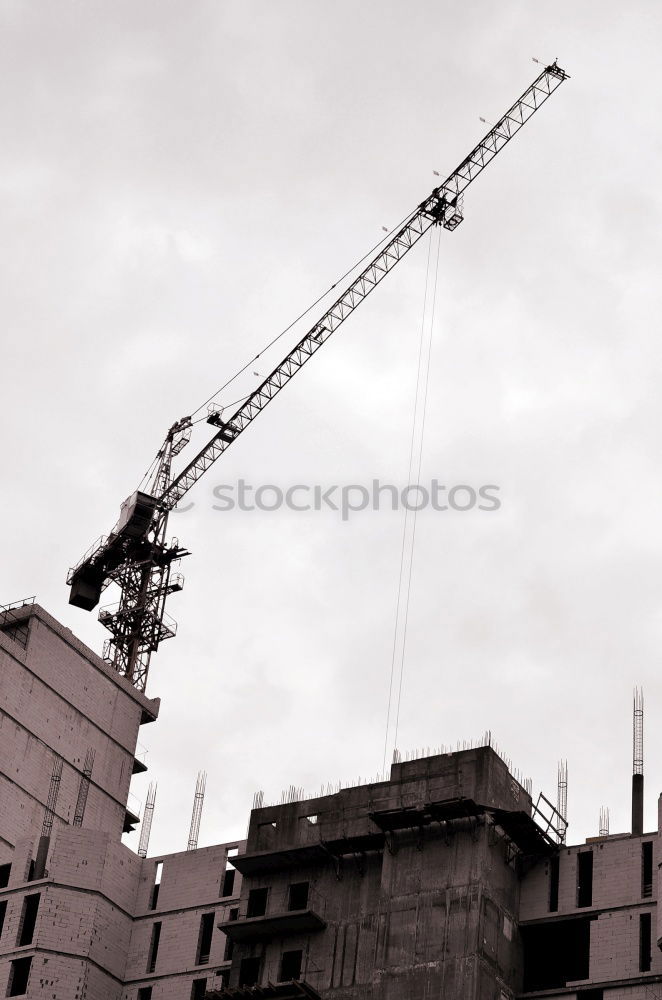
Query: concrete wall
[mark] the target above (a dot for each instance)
(95, 916)
(432, 908)
(191, 884)
(94, 920)
(617, 902)
(84, 917)
(58, 699)
(430, 911)
(616, 876)
(478, 774)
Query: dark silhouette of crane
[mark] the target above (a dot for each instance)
(135, 555)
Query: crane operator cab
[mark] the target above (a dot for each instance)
(227, 430)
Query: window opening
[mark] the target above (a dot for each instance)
(157, 885)
(585, 878)
(154, 946)
(257, 902)
(204, 938)
(228, 882)
(249, 971)
(28, 920)
(647, 869)
(19, 973)
(644, 942)
(290, 966)
(298, 896)
(554, 869)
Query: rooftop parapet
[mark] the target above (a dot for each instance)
(440, 788)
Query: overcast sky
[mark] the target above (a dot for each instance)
(177, 182)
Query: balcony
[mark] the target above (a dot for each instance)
(300, 909)
(139, 765)
(302, 855)
(519, 826)
(131, 820)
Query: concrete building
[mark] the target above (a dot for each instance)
(81, 915)
(440, 883)
(59, 700)
(446, 881)
(408, 887)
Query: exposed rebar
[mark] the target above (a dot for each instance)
(51, 802)
(562, 796)
(198, 801)
(148, 816)
(84, 787)
(638, 732)
(603, 830)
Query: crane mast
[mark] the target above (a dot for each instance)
(135, 555)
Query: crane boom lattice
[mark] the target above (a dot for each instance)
(442, 207)
(135, 555)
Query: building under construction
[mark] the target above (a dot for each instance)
(444, 881)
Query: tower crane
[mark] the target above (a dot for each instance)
(136, 554)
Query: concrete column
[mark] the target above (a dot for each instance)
(637, 805)
(40, 860)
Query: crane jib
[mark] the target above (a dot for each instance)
(135, 555)
(441, 207)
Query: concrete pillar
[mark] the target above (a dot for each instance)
(637, 805)
(40, 860)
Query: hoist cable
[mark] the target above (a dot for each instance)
(404, 529)
(301, 315)
(275, 339)
(418, 479)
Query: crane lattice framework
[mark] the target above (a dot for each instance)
(135, 555)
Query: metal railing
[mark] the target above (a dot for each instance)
(14, 605)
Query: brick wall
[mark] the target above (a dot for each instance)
(58, 699)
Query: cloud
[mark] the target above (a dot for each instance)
(176, 185)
